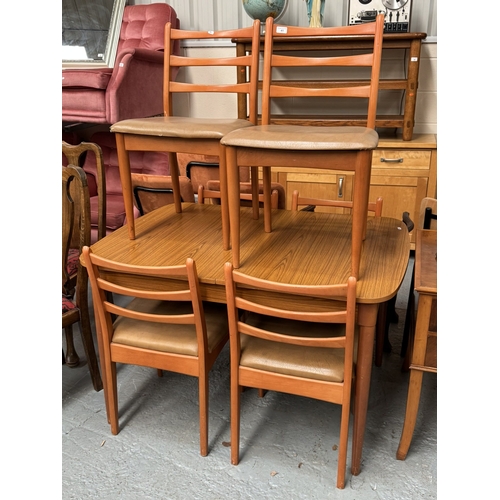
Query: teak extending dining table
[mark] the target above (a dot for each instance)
(304, 247)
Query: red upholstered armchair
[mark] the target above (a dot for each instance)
(133, 87)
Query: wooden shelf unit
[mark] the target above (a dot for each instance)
(409, 84)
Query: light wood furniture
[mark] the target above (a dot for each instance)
(373, 206)
(402, 173)
(211, 194)
(166, 330)
(348, 147)
(409, 42)
(177, 134)
(424, 350)
(304, 248)
(75, 208)
(307, 353)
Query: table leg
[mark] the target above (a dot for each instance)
(367, 320)
(126, 181)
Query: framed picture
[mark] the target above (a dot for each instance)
(90, 32)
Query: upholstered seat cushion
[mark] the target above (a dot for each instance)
(86, 78)
(72, 262)
(180, 339)
(179, 126)
(310, 362)
(298, 137)
(67, 304)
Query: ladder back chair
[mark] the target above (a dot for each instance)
(375, 207)
(337, 148)
(75, 235)
(211, 194)
(162, 329)
(179, 134)
(297, 349)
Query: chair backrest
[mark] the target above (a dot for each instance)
(204, 193)
(239, 300)
(428, 213)
(154, 191)
(97, 268)
(373, 206)
(75, 218)
(76, 155)
(198, 79)
(273, 60)
(143, 26)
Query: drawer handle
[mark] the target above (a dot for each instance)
(341, 188)
(391, 160)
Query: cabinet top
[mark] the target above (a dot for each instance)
(418, 141)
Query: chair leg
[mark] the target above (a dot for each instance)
(86, 333)
(344, 434)
(203, 391)
(112, 396)
(235, 421)
(72, 358)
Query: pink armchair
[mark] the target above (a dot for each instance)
(133, 87)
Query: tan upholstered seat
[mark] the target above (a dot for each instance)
(167, 330)
(193, 135)
(287, 145)
(294, 348)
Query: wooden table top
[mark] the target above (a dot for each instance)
(426, 261)
(303, 248)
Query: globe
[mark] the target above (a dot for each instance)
(262, 9)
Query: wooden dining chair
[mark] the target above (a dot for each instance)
(154, 191)
(210, 194)
(159, 328)
(342, 147)
(300, 349)
(375, 207)
(75, 155)
(75, 235)
(180, 134)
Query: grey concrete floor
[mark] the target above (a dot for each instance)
(287, 442)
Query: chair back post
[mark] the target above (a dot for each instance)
(175, 61)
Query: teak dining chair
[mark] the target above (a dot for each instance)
(298, 349)
(75, 235)
(194, 135)
(310, 203)
(166, 330)
(339, 147)
(211, 194)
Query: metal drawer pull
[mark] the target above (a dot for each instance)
(341, 188)
(391, 160)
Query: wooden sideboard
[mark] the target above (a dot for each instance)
(411, 42)
(403, 172)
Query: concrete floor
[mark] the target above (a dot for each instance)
(286, 441)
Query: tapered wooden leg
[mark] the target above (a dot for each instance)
(412, 403)
(266, 179)
(254, 178)
(203, 403)
(233, 189)
(367, 319)
(126, 181)
(235, 421)
(72, 358)
(174, 174)
(224, 198)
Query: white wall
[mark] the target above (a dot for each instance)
(221, 14)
